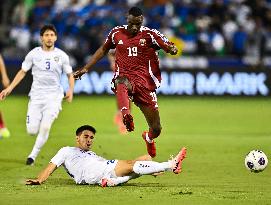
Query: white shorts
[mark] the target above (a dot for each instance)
(39, 111)
(105, 169)
(109, 171)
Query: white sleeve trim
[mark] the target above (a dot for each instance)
(156, 81)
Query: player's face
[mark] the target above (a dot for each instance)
(48, 39)
(134, 24)
(85, 140)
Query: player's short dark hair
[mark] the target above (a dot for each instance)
(135, 11)
(85, 127)
(46, 27)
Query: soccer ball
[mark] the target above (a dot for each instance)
(256, 161)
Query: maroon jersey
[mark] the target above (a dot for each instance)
(136, 56)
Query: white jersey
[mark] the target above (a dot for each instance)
(85, 167)
(47, 67)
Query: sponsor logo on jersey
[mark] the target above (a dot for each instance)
(120, 42)
(142, 42)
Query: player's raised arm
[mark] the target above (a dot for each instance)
(43, 176)
(163, 42)
(68, 70)
(100, 53)
(19, 76)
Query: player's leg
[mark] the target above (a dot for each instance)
(127, 167)
(4, 132)
(108, 182)
(146, 100)
(49, 114)
(151, 167)
(33, 117)
(153, 119)
(123, 87)
(126, 170)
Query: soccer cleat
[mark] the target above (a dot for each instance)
(4, 132)
(128, 122)
(29, 161)
(177, 161)
(150, 146)
(104, 183)
(107, 183)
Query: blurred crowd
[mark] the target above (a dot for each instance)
(199, 27)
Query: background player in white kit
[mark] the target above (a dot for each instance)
(85, 167)
(47, 63)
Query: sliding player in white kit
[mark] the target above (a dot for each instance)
(86, 167)
(47, 63)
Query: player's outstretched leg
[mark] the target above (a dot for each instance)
(151, 148)
(150, 167)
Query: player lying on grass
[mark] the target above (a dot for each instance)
(86, 167)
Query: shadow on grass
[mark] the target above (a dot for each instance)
(70, 182)
(144, 185)
(13, 161)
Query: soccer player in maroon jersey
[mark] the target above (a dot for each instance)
(137, 73)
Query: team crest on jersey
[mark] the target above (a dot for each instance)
(120, 42)
(56, 58)
(142, 42)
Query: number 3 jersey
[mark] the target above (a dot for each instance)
(136, 56)
(47, 68)
(85, 167)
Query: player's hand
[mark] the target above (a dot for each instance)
(77, 74)
(5, 93)
(69, 96)
(32, 182)
(173, 50)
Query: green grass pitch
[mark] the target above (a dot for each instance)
(218, 132)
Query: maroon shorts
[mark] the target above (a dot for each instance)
(141, 95)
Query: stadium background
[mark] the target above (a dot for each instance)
(225, 51)
(225, 45)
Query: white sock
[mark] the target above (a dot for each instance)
(148, 139)
(40, 141)
(118, 180)
(150, 167)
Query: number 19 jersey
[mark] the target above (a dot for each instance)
(136, 56)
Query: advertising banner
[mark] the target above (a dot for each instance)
(190, 82)
(201, 82)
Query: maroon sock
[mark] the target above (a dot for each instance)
(152, 135)
(2, 124)
(123, 99)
